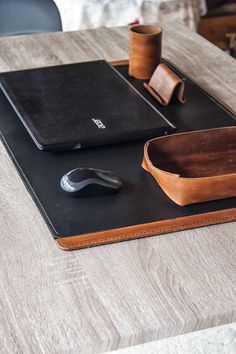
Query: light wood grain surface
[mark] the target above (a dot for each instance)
(114, 296)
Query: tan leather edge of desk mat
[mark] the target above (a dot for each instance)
(150, 229)
(71, 243)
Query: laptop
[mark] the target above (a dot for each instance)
(81, 105)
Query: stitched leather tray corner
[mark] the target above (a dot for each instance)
(194, 167)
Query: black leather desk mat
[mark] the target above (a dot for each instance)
(140, 201)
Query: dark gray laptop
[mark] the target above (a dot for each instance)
(81, 105)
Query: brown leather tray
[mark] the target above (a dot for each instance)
(204, 171)
(142, 209)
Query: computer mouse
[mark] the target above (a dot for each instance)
(86, 182)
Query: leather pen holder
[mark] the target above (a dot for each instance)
(164, 84)
(145, 50)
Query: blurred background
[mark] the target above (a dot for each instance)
(213, 19)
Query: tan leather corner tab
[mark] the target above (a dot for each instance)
(119, 62)
(145, 230)
(164, 84)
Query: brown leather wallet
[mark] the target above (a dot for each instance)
(164, 84)
(194, 167)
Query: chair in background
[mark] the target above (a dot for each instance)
(28, 16)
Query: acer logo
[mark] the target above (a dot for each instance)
(99, 123)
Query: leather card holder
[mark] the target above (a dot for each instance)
(165, 84)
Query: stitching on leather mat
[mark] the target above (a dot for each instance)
(148, 233)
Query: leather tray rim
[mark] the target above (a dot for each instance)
(194, 189)
(71, 243)
(178, 175)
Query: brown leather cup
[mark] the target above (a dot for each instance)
(145, 50)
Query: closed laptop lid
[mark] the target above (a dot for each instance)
(81, 105)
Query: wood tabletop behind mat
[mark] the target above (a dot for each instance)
(104, 298)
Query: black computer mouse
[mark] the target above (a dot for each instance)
(85, 182)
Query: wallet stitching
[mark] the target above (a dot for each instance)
(133, 234)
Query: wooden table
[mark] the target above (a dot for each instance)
(103, 298)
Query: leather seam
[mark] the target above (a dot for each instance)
(151, 232)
